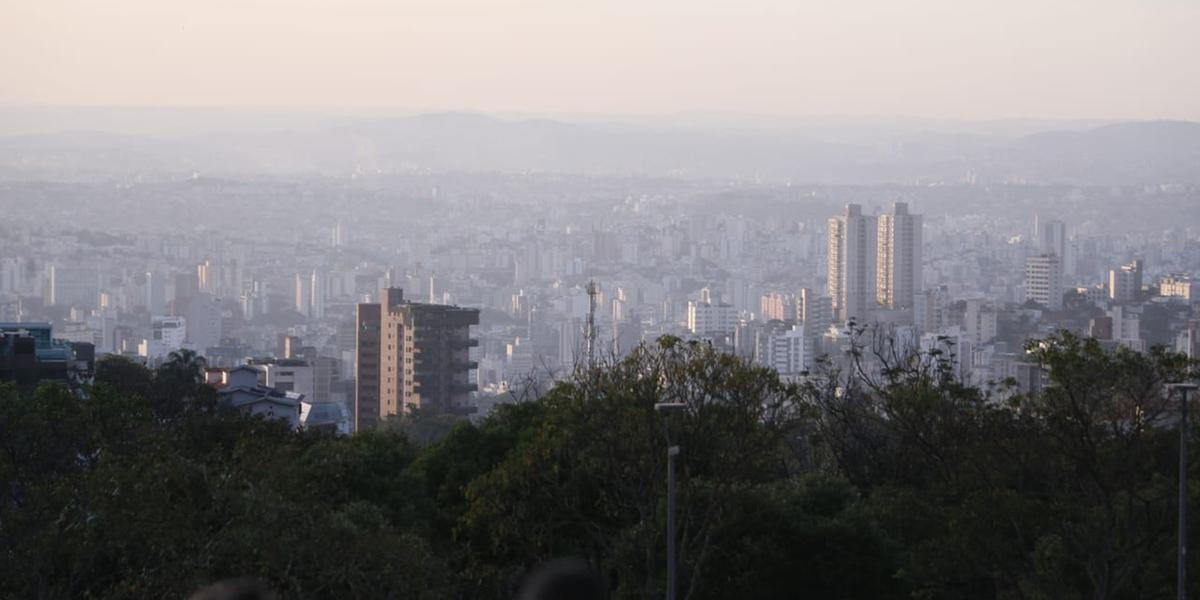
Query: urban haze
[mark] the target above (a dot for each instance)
(567, 300)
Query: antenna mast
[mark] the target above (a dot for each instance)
(592, 290)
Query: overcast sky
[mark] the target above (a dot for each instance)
(958, 59)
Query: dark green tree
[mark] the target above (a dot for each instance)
(588, 480)
(1067, 492)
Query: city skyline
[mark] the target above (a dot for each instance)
(694, 299)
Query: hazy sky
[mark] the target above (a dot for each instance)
(968, 59)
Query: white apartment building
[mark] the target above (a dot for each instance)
(707, 319)
(1044, 281)
(167, 334)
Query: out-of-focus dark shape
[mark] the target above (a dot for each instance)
(563, 579)
(242, 588)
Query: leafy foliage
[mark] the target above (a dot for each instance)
(904, 483)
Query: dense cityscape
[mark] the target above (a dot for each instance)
(278, 274)
(617, 300)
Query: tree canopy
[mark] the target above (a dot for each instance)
(905, 484)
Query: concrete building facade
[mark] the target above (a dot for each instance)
(413, 356)
(1044, 281)
(707, 319)
(366, 365)
(898, 278)
(851, 267)
(1125, 282)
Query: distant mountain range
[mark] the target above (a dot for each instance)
(1146, 152)
(805, 152)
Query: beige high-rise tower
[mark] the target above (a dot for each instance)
(898, 276)
(852, 264)
(413, 356)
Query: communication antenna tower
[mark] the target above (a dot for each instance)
(592, 290)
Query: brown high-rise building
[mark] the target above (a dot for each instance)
(366, 366)
(423, 358)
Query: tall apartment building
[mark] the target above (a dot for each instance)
(1044, 280)
(1126, 328)
(12, 274)
(571, 344)
(777, 306)
(302, 291)
(338, 236)
(1125, 283)
(814, 312)
(711, 319)
(397, 348)
(205, 280)
(204, 320)
(167, 334)
(318, 286)
(438, 357)
(980, 322)
(74, 286)
(785, 350)
(1052, 239)
(155, 293)
(368, 320)
(933, 313)
(419, 355)
(852, 258)
(898, 278)
(310, 290)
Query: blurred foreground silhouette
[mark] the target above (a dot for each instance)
(563, 579)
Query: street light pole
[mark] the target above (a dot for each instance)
(1181, 583)
(672, 452)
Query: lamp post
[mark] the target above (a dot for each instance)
(672, 452)
(1183, 388)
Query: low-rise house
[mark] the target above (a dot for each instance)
(242, 390)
